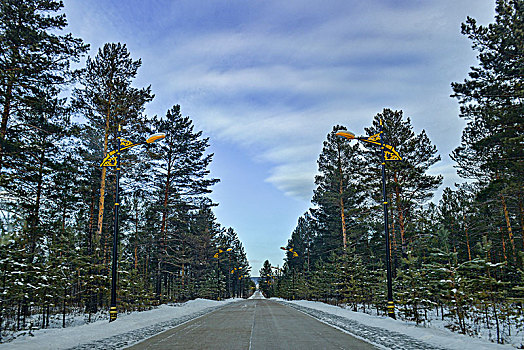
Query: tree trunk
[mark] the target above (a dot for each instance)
(103, 178)
(503, 244)
(163, 228)
(467, 236)
(341, 192)
(136, 236)
(36, 213)
(64, 309)
(400, 212)
(91, 223)
(508, 225)
(521, 207)
(393, 241)
(5, 118)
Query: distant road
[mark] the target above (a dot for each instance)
(253, 324)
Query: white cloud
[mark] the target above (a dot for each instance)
(278, 80)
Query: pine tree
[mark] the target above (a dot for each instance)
(336, 195)
(491, 101)
(107, 99)
(33, 58)
(183, 183)
(408, 183)
(266, 278)
(351, 275)
(412, 290)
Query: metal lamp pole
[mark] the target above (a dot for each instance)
(391, 304)
(228, 284)
(112, 307)
(112, 159)
(217, 256)
(218, 278)
(294, 255)
(387, 153)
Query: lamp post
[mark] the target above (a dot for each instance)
(388, 153)
(113, 160)
(232, 272)
(277, 281)
(238, 289)
(217, 256)
(295, 254)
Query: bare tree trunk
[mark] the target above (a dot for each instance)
(393, 241)
(503, 244)
(400, 213)
(508, 225)
(103, 179)
(467, 236)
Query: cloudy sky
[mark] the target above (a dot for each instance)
(266, 80)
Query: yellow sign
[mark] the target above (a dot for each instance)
(110, 159)
(390, 154)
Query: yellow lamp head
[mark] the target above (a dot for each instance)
(346, 134)
(155, 137)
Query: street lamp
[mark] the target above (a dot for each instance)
(295, 254)
(113, 160)
(238, 292)
(217, 256)
(388, 153)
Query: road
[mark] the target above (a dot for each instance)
(253, 324)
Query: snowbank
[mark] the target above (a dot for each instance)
(257, 295)
(440, 338)
(141, 324)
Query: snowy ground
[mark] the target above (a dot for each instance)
(257, 295)
(126, 330)
(388, 333)
(131, 328)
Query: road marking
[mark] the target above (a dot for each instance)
(252, 326)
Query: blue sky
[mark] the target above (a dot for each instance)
(267, 79)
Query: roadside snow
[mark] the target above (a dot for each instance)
(131, 328)
(257, 295)
(126, 330)
(389, 333)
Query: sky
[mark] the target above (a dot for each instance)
(266, 81)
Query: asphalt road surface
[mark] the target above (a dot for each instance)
(253, 324)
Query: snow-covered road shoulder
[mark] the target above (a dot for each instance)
(257, 295)
(388, 333)
(125, 331)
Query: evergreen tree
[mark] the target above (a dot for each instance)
(33, 58)
(491, 101)
(266, 278)
(336, 195)
(183, 183)
(408, 183)
(107, 100)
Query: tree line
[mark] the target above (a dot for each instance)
(56, 206)
(460, 258)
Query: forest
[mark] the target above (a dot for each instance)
(61, 110)
(459, 258)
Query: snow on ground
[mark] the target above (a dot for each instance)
(257, 295)
(126, 330)
(131, 328)
(388, 333)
